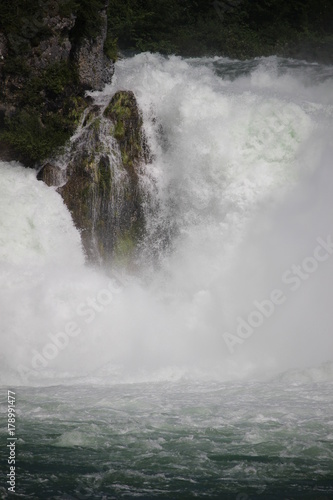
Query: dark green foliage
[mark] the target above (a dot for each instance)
(88, 21)
(33, 138)
(237, 28)
(147, 25)
(313, 15)
(47, 116)
(49, 85)
(16, 66)
(111, 47)
(23, 21)
(16, 13)
(35, 134)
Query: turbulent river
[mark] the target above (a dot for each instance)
(204, 369)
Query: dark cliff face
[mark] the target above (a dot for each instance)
(50, 53)
(92, 63)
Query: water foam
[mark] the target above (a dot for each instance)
(228, 154)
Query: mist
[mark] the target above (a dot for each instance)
(238, 193)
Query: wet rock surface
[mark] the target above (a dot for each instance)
(102, 190)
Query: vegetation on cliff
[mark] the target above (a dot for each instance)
(42, 94)
(234, 28)
(48, 108)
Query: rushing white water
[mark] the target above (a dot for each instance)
(241, 190)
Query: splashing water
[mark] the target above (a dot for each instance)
(207, 372)
(239, 192)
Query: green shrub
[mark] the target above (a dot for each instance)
(241, 28)
(88, 19)
(111, 47)
(33, 138)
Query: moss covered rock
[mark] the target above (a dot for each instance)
(123, 112)
(102, 190)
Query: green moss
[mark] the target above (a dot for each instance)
(104, 175)
(90, 117)
(95, 125)
(119, 130)
(123, 112)
(120, 107)
(76, 106)
(126, 159)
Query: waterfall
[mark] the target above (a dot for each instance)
(235, 193)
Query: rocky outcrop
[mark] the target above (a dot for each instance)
(42, 40)
(55, 48)
(94, 68)
(50, 53)
(52, 175)
(102, 187)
